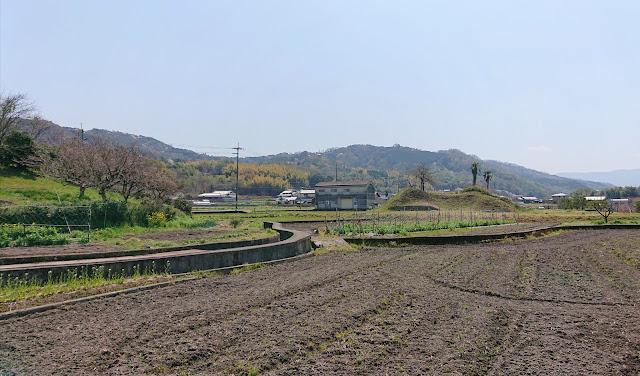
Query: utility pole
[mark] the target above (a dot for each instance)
(81, 132)
(336, 170)
(237, 149)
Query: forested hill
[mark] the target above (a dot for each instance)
(389, 165)
(148, 145)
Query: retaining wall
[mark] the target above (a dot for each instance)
(181, 261)
(453, 239)
(135, 252)
(464, 239)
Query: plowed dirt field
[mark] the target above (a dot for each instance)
(565, 304)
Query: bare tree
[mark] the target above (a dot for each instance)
(160, 183)
(72, 161)
(13, 107)
(37, 127)
(422, 173)
(604, 208)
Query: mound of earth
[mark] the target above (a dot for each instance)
(471, 198)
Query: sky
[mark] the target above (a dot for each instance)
(549, 85)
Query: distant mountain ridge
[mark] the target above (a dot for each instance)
(150, 146)
(621, 178)
(451, 168)
(386, 166)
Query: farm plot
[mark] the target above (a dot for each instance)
(566, 304)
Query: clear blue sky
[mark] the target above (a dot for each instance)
(550, 85)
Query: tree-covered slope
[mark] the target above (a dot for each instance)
(388, 167)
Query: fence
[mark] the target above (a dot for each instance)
(377, 223)
(20, 220)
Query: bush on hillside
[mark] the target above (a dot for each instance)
(478, 189)
(17, 149)
(183, 204)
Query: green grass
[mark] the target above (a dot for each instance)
(135, 243)
(21, 188)
(246, 268)
(24, 288)
(404, 229)
(472, 199)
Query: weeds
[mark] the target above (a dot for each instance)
(403, 229)
(24, 235)
(29, 287)
(245, 268)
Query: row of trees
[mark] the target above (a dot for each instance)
(475, 169)
(613, 192)
(424, 176)
(107, 166)
(96, 163)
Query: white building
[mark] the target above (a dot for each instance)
(226, 196)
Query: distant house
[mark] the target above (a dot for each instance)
(306, 196)
(226, 196)
(341, 195)
(287, 197)
(558, 196)
(622, 204)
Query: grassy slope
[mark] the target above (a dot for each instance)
(29, 189)
(478, 198)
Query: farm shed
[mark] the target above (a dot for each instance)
(347, 195)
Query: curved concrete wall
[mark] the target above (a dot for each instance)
(454, 239)
(293, 243)
(135, 252)
(463, 239)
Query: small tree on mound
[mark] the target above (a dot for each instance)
(423, 174)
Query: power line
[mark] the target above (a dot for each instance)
(201, 147)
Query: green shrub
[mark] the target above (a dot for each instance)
(157, 219)
(18, 235)
(183, 204)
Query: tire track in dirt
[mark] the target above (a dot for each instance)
(525, 299)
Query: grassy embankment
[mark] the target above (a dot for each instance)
(24, 188)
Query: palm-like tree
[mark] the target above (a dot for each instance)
(487, 177)
(475, 168)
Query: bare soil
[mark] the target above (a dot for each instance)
(77, 248)
(565, 304)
